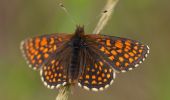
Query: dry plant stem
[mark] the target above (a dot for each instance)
(65, 91)
(106, 14)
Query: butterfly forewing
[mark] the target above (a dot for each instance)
(121, 53)
(38, 50)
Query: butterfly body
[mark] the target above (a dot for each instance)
(76, 43)
(90, 60)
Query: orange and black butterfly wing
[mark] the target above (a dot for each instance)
(54, 72)
(46, 53)
(38, 50)
(96, 73)
(121, 53)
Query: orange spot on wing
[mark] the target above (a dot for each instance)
(80, 77)
(87, 82)
(102, 49)
(32, 61)
(51, 40)
(93, 70)
(37, 41)
(128, 42)
(100, 83)
(114, 52)
(44, 42)
(108, 42)
(126, 55)
(103, 75)
(131, 60)
(56, 63)
(119, 51)
(98, 39)
(95, 65)
(105, 80)
(107, 52)
(59, 74)
(32, 57)
(128, 47)
(41, 48)
(140, 51)
(32, 50)
(134, 52)
(126, 64)
(30, 44)
(135, 47)
(49, 73)
(38, 56)
(51, 76)
(60, 39)
(136, 58)
(108, 76)
(110, 70)
(137, 43)
(100, 68)
(87, 76)
(47, 77)
(55, 75)
(126, 50)
(59, 80)
(111, 58)
(53, 61)
(121, 59)
(101, 63)
(46, 55)
(93, 77)
(54, 80)
(36, 53)
(55, 47)
(117, 64)
(45, 73)
(131, 54)
(45, 50)
(139, 55)
(94, 82)
(64, 76)
(118, 44)
(99, 78)
(105, 70)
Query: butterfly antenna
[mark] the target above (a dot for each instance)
(66, 11)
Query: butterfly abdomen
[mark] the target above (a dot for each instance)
(74, 65)
(74, 68)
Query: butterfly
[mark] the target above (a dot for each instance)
(89, 60)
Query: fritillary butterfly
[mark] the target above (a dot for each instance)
(87, 60)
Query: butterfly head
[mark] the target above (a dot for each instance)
(79, 30)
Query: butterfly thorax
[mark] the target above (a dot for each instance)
(77, 43)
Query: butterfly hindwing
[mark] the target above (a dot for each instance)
(121, 53)
(96, 74)
(38, 50)
(54, 72)
(53, 75)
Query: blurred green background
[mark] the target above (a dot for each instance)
(145, 20)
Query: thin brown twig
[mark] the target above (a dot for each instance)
(64, 93)
(106, 15)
